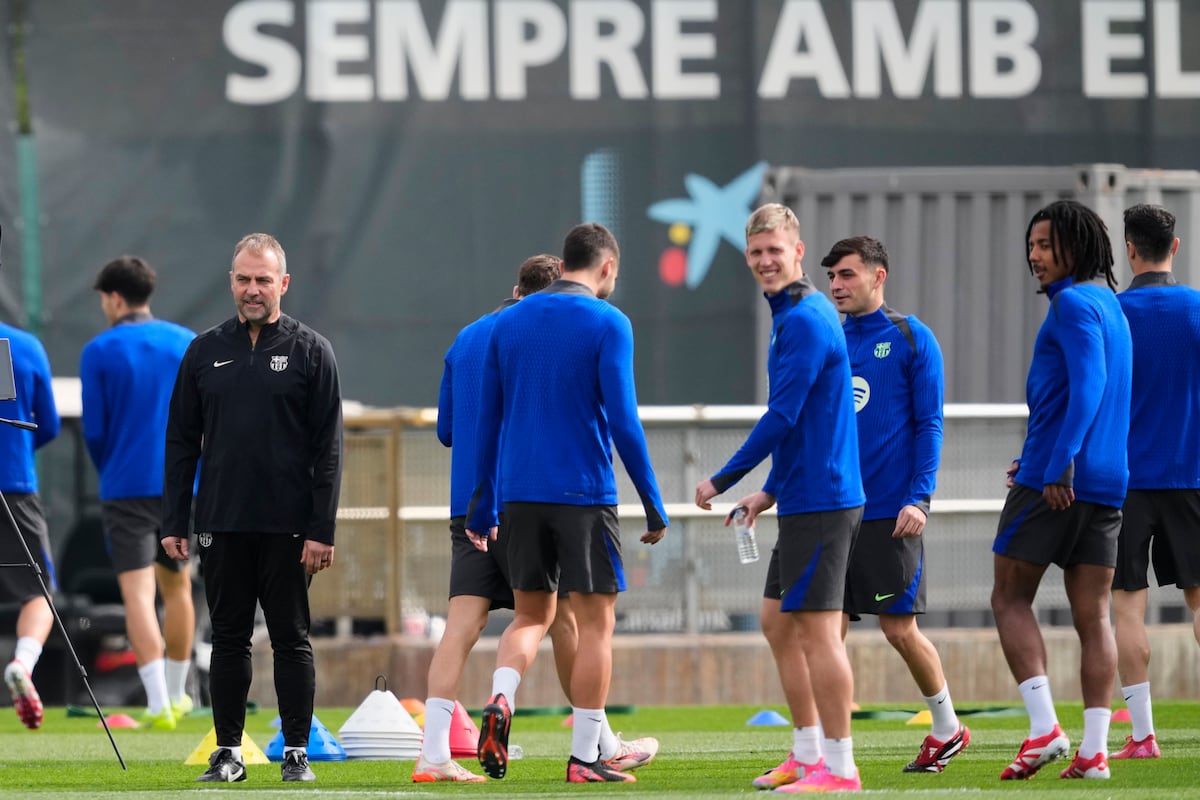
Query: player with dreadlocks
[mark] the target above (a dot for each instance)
(1067, 488)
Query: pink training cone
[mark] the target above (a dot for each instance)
(464, 734)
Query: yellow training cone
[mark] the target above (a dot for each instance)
(251, 753)
(921, 718)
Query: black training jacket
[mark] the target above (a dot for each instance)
(267, 420)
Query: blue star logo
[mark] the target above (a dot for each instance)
(713, 213)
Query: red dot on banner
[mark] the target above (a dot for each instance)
(672, 266)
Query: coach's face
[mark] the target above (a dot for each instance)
(257, 285)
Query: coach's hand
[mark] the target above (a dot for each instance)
(316, 556)
(176, 547)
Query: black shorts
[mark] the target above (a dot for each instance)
(553, 547)
(887, 574)
(1160, 527)
(478, 574)
(133, 534)
(809, 561)
(17, 584)
(1029, 530)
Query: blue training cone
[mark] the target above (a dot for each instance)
(768, 717)
(321, 745)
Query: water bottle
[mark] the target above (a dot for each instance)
(747, 546)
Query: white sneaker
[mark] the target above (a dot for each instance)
(633, 754)
(427, 771)
(25, 697)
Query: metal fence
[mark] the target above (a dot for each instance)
(393, 541)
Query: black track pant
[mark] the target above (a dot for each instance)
(241, 569)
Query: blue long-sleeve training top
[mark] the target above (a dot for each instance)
(558, 394)
(1164, 421)
(899, 383)
(458, 405)
(127, 374)
(34, 403)
(809, 428)
(1078, 393)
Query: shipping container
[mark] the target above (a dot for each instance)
(956, 245)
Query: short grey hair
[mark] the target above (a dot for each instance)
(258, 243)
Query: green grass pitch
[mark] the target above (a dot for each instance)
(707, 752)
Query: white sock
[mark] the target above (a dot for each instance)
(236, 752)
(609, 744)
(1141, 713)
(177, 675)
(1039, 704)
(585, 733)
(839, 757)
(287, 750)
(1095, 731)
(154, 679)
(941, 709)
(29, 650)
(505, 681)
(436, 745)
(806, 744)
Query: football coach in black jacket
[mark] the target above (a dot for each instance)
(257, 404)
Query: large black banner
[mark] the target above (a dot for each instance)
(410, 154)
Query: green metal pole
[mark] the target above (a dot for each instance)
(27, 181)
(31, 233)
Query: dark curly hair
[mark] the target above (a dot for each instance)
(1079, 239)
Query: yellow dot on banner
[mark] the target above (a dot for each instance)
(679, 233)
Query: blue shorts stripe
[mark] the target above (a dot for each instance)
(905, 603)
(793, 598)
(1000, 546)
(618, 565)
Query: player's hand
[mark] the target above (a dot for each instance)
(705, 491)
(754, 504)
(1012, 474)
(910, 522)
(480, 540)
(316, 556)
(1058, 497)
(654, 537)
(176, 547)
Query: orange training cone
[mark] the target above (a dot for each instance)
(464, 733)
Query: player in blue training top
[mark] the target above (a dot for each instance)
(898, 390)
(477, 581)
(19, 482)
(1161, 515)
(127, 375)
(810, 434)
(1066, 490)
(558, 394)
